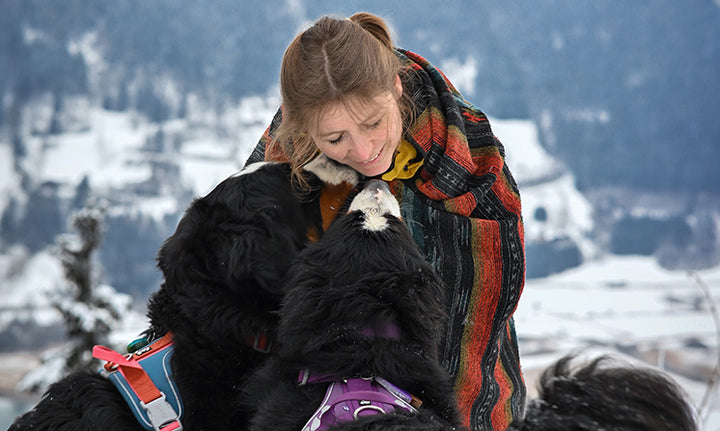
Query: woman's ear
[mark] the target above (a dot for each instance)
(398, 87)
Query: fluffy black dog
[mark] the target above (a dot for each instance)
(223, 270)
(597, 396)
(360, 302)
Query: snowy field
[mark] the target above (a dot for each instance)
(632, 309)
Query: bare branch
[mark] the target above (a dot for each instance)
(704, 407)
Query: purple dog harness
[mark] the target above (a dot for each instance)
(353, 398)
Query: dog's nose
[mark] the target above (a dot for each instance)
(378, 185)
(380, 191)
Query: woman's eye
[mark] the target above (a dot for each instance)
(375, 124)
(336, 140)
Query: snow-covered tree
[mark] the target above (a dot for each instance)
(89, 309)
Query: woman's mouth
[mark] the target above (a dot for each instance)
(372, 159)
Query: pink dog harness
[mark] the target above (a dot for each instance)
(349, 399)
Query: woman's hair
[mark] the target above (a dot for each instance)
(329, 62)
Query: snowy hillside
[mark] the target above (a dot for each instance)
(147, 172)
(114, 149)
(545, 185)
(111, 151)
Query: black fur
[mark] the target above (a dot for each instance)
(223, 271)
(351, 279)
(611, 398)
(81, 401)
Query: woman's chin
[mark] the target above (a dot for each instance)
(372, 172)
(376, 168)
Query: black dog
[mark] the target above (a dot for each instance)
(223, 270)
(600, 397)
(361, 302)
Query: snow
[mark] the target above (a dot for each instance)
(106, 153)
(110, 148)
(50, 370)
(91, 316)
(631, 308)
(157, 207)
(32, 35)
(25, 295)
(544, 184)
(9, 182)
(464, 73)
(87, 46)
(568, 212)
(588, 115)
(631, 269)
(206, 164)
(527, 159)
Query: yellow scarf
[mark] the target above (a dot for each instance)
(405, 164)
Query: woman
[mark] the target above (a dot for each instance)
(350, 96)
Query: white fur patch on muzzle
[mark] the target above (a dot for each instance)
(375, 200)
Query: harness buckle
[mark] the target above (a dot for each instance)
(262, 343)
(367, 406)
(162, 415)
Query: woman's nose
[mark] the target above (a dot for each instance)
(361, 147)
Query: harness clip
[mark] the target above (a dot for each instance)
(162, 415)
(262, 344)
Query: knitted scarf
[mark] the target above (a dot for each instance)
(463, 209)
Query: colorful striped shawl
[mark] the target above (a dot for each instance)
(463, 208)
(464, 211)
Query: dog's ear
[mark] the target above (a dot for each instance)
(189, 251)
(172, 254)
(259, 257)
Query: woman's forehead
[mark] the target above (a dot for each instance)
(354, 108)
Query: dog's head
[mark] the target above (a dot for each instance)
(371, 239)
(249, 228)
(232, 248)
(600, 396)
(376, 206)
(364, 272)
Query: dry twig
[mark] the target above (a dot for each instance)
(704, 407)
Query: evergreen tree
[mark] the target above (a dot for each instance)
(89, 309)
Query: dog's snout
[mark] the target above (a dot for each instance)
(378, 185)
(375, 200)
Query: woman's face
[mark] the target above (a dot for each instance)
(363, 136)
